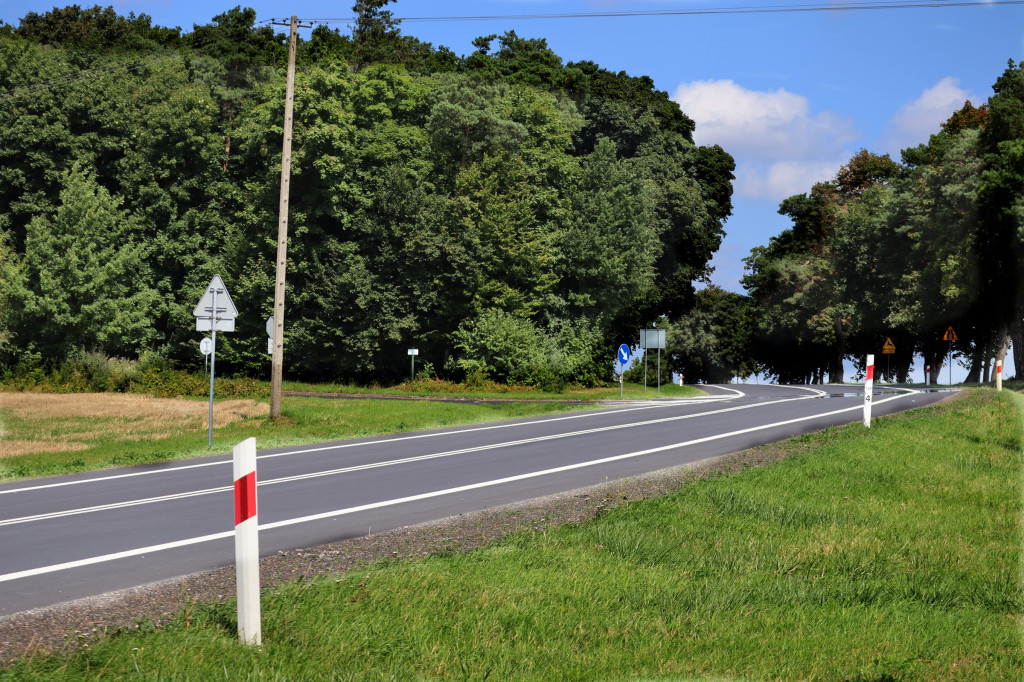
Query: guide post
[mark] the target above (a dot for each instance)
(868, 383)
(247, 543)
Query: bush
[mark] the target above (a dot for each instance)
(501, 347)
(508, 349)
(89, 372)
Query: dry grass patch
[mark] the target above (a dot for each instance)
(47, 422)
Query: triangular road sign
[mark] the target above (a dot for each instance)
(226, 311)
(889, 347)
(950, 335)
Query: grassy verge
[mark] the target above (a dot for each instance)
(491, 390)
(46, 434)
(887, 554)
(55, 433)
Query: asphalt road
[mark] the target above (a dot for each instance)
(70, 537)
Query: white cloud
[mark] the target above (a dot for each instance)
(780, 146)
(783, 179)
(917, 120)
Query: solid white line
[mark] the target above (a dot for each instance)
(739, 393)
(394, 439)
(42, 570)
(127, 554)
(113, 505)
(375, 465)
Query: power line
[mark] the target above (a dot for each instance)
(755, 9)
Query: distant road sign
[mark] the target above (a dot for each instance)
(950, 335)
(652, 338)
(623, 354)
(888, 348)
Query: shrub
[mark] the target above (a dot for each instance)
(509, 349)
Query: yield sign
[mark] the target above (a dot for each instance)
(225, 313)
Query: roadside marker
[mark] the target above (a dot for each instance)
(247, 543)
(999, 375)
(868, 382)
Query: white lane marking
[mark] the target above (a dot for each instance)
(289, 453)
(42, 570)
(127, 554)
(113, 505)
(739, 393)
(376, 465)
(394, 439)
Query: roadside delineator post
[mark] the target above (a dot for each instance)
(999, 375)
(247, 548)
(869, 381)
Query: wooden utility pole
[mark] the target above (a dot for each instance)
(282, 232)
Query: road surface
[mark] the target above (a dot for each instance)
(70, 537)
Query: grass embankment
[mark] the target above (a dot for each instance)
(494, 391)
(55, 433)
(886, 554)
(45, 434)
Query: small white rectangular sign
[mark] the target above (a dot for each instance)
(652, 338)
(414, 351)
(205, 324)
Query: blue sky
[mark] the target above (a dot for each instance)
(790, 95)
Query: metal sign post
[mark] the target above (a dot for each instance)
(623, 361)
(213, 360)
(888, 349)
(206, 347)
(652, 338)
(214, 312)
(950, 336)
(413, 352)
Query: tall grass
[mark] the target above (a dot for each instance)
(889, 554)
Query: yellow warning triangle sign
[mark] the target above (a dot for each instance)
(889, 347)
(950, 335)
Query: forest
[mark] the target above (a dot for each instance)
(512, 216)
(903, 251)
(509, 215)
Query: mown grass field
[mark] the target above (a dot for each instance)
(44, 434)
(889, 554)
(54, 433)
(491, 390)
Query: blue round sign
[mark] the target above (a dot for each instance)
(623, 354)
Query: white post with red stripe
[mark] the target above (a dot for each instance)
(868, 384)
(247, 543)
(999, 375)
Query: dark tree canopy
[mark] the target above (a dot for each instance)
(476, 206)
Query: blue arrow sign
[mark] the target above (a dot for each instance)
(623, 354)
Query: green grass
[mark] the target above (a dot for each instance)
(115, 439)
(630, 391)
(107, 441)
(884, 554)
